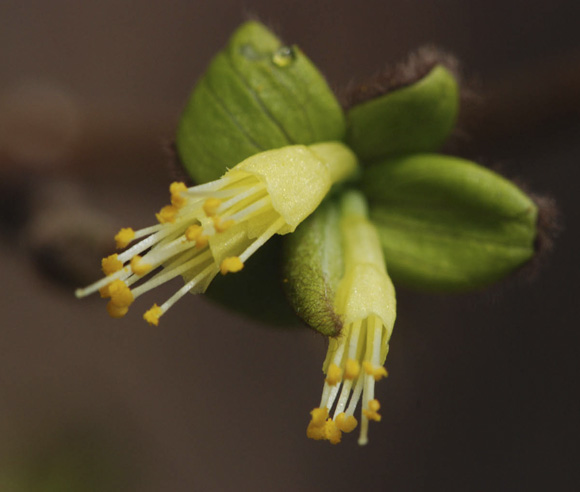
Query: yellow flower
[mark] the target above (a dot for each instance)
(354, 361)
(217, 226)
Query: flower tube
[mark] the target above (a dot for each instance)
(217, 226)
(365, 301)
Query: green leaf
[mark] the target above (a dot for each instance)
(257, 94)
(416, 118)
(313, 268)
(448, 224)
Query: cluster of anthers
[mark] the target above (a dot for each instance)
(352, 366)
(180, 242)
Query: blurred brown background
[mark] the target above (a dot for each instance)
(483, 392)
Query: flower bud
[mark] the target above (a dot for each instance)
(448, 224)
(415, 118)
(256, 95)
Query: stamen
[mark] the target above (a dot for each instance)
(193, 232)
(333, 374)
(241, 196)
(171, 272)
(258, 243)
(352, 369)
(377, 373)
(139, 267)
(152, 315)
(209, 271)
(247, 211)
(232, 264)
(222, 225)
(124, 237)
(167, 214)
(111, 264)
(373, 411)
(345, 423)
(176, 189)
(211, 205)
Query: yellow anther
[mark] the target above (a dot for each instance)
(332, 432)
(111, 264)
(177, 199)
(152, 315)
(333, 374)
(116, 311)
(352, 369)
(105, 292)
(121, 295)
(232, 264)
(211, 205)
(377, 373)
(167, 214)
(373, 411)
(315, 432)
(319, 416)
(201, 242)
(221, 226)
(138, 267)
(344, 423)
(124, 237)
(193, 232)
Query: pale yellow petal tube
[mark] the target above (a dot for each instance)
(365, 300)
(217, 226)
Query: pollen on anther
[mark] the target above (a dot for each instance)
(124, 237)
(167, 214)
(372, 413)
(377, 373)
(345, 423)
(332, 432)
(333, 375)
(232, 264)
(116, 311)
(201, 242)
(152, 315)
(111, 264)
(222, 225)
(352, 369)
(211, 205)
(138, 267)
(193, 232)
(120, 294)
(319, 416)
(176, 189)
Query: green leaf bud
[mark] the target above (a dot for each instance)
(447, 224)
(256, 95)
(415, 118)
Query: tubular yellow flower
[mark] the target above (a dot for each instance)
(219, 225)
(366, 302)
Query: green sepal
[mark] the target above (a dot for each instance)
(415, 118)
(257, 94)
(447, 224)
(313, 267)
